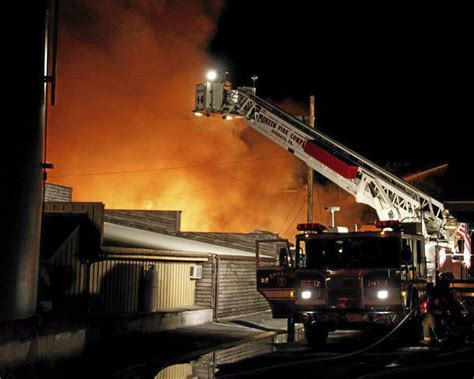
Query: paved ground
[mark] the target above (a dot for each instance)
(246, 344)
(142, 354)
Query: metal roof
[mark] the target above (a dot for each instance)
(125, 236)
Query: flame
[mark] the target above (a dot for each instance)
(122, 131)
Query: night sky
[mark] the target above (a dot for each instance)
(393, 83)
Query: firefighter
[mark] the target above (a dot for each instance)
(441, 308)
(283, 257)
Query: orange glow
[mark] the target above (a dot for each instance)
(125, 94)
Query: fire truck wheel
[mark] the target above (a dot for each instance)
(316, 335)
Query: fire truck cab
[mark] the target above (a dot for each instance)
(350, 280)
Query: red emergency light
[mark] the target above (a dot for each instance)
(311, 226)
(387, 224)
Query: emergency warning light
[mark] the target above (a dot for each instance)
(313, 227)
(393, 224)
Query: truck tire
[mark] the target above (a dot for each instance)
(316, 335)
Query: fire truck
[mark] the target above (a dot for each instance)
(338, 279)
(335, 278)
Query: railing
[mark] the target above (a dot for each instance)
(430, 207)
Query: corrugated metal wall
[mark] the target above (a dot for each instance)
(113, 286)
(179, 371)
(176, 289)
(67, 276)
(116, 285)
(236, 288)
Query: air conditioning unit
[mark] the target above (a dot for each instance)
(196, 272)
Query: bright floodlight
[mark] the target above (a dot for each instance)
(306, 295)
(383, 294)
(211, 75)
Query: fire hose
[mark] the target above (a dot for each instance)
(320, 360)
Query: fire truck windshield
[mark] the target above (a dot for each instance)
(349, 252)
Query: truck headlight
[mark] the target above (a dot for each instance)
(382, 294)
(306, 295)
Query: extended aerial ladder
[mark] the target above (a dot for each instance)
(391, 197)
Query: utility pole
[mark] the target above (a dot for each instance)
(309, 195)
(310, 170)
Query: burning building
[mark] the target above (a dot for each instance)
(122, 130)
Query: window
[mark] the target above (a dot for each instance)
(350, 252)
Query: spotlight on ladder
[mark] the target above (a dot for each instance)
(211, 75)
(254, 79)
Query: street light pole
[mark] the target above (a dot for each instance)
(254, 79)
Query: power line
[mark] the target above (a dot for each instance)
(289, 213)
(301, 208)
(167, 168)
(200, 189)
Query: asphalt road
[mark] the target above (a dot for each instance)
(231, 350)
(393, 358)
(273, 357)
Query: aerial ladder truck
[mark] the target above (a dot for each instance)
(333, 279)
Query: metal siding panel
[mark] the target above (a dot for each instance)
(176, 289)
(116, 285)
(77, 271)
(122, 287)
(127, 293)
(93, 287)
(103, 291)
(179, 371)
(68, 265)
(113, 305)
(98, 289)
(112, 299)
(106, 289)
(138, 274)
(135, 285)
(68, 274)
(118, 272)
(129, 278)
(98, 275)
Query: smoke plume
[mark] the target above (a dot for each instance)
(122, 131)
